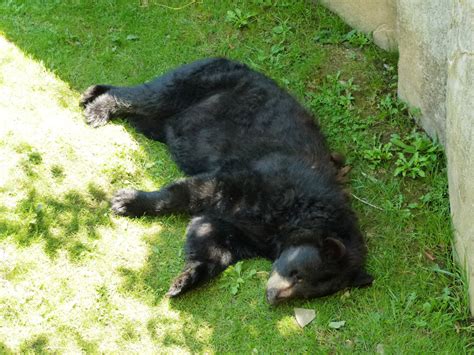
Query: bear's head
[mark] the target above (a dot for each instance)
(306, 271)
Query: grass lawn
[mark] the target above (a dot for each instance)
(74, 278)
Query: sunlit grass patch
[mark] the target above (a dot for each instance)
(61, 251)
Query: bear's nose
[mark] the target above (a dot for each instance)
(272, 295)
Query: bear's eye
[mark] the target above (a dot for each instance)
(296, 275)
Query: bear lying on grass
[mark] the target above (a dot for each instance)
(261, 179)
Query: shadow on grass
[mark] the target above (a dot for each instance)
(5, 349)
(68, 222)
(211, 317)
(36, 345)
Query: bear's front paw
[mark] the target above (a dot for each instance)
(194, 273)
(126, 202)
(175, 290)
(180, 285)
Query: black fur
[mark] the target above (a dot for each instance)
(262, 182)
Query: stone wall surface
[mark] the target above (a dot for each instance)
(460, 132)
(422, 45)
(435, 40)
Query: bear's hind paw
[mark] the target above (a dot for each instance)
(97, 114)
(98, 105)
(91, 93)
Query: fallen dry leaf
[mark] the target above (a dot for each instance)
(429, 255)
(345, 295)
(337, 325)
(304, 316)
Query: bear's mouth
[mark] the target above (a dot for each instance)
(279, 289)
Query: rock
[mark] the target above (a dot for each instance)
(376, 17)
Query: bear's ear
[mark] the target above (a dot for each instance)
(362, 279)
(333, 249)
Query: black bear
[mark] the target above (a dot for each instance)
(261, 182)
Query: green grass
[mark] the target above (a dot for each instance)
(75, 278)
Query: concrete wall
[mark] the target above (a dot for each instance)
(377, 17)
(422, 45)
(460, 132)
(435, 40)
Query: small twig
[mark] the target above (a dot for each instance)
(177, 8)
(366, 202)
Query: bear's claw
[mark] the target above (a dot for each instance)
(91, 93)
(96, 105)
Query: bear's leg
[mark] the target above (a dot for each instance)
(189, 195)
(135, 203)
(194, 273)
(147, 104)
(211, 246)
